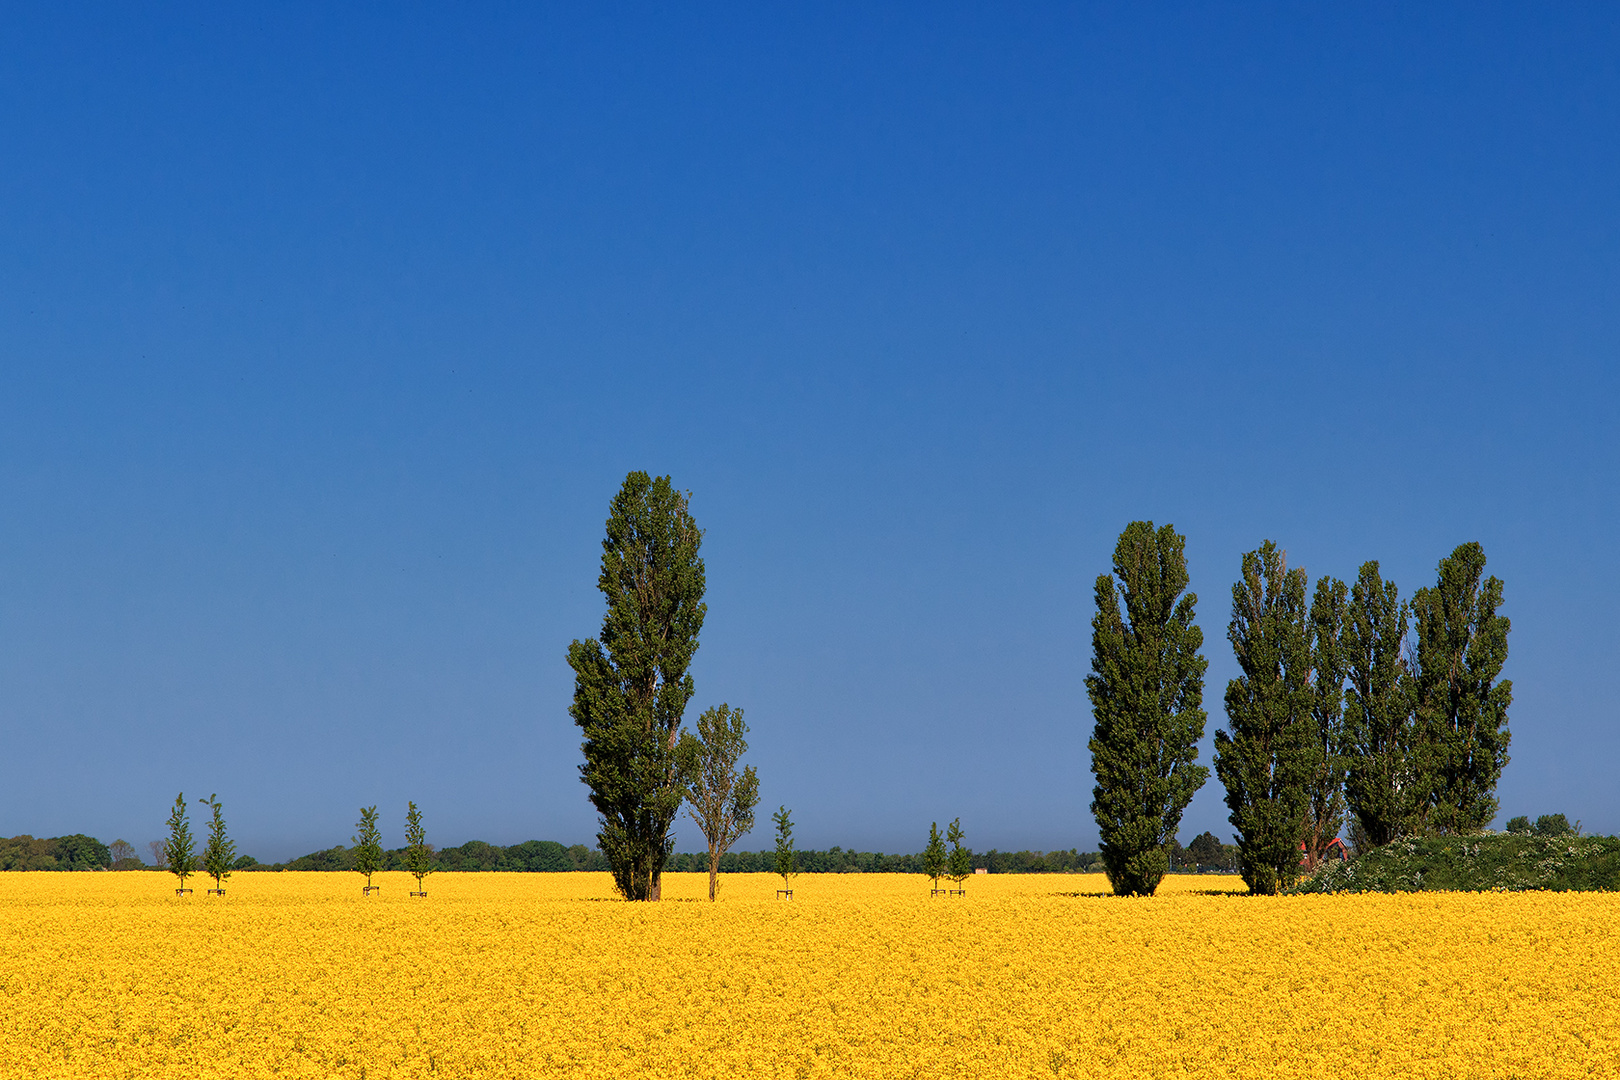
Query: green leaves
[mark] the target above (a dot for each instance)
(220, 852)
(934, 861)
(787, 864)
(418, 855)
(1271, 755)
(1385, 778)
(179, 851)
(368, 849)
(1146, 690)
(719, 799)
(960, 864)
(1461, 706)
(631, 685)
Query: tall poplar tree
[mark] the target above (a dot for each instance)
(1147, 691)
(1385, 782)
(1325, 819)
(1461, 701)
(1269, 759)
(631, 684)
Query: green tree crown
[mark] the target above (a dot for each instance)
(180, 850)
(1146, 688)
(418, 854)
(220, 852)
(787, 863)
(1271, 755)
(719, 798)
(631, 684)
(368, 849)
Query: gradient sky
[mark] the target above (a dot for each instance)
(326, 336)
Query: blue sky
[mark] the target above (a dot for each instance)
(325, 338)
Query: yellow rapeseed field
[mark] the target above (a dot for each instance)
(519, 975)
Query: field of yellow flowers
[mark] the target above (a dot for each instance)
(519, 975)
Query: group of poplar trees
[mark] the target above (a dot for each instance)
(1355, 707)
(631, 689)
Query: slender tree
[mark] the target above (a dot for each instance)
(1268, 759)
(368, 849)
(180, 851)
(1325, 819)
(631, 683)
(934, 860)
(1147, 692)
(787, 862)
(220, 852)
(960, 863)
(1386, 764)
(418, 854)
(719, 798)
(1461, 700)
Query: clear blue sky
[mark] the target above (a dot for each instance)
(325, 338)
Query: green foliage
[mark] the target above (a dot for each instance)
(934, 860)
(1385, 781)
(959, 867)
(1269, 759)
(418, 855)
(1520, 824)
(368, 849)
(245, 862)
(1511, 862)
(1325, 818)
(75, 852)
(1461, 702)
(631, 683)
(1206, 850)
(786, 862)
(179, 851)
(718, 798)
(219, 852)
(1556, 825)
(1146, 690)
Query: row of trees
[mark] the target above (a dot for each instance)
(1357, 703)
(178, 853)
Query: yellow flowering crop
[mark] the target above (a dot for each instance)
(520, 975)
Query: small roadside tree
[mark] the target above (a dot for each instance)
(180, 850)
(418, 854)
(220, 851)
(934, 860)
(368, 850)
(718, 798)
(787, 862)
(960, 863)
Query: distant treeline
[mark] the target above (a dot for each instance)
(80, 852)
(76, 852)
